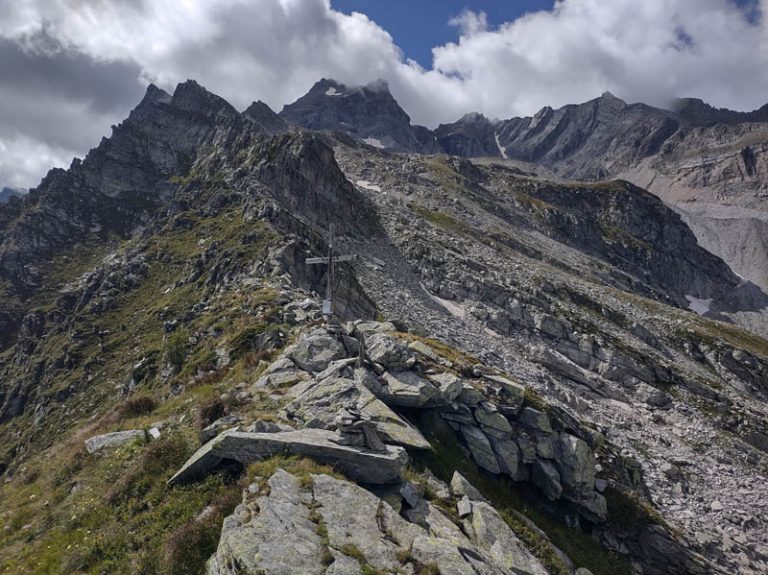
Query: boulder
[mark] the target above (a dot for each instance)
(319, 402)
(99, 442)
(262, 426)
(368, 327)
(423, 349)
(389, 351)
(460, 487)
(356, 517)
(470, 395)
(512, 392)
(546, 477)
(545, 445)
(407, 389)
(449, 385)
(592, 506)
(488, 417)
(392, 427)
(316, 351)
(480, 448)
(535, 419)
(576, 463)
(318, 444)
(492, 534)
(527, 448)
(277, 530)
(508, 456)
(280, 379)
(464, 507)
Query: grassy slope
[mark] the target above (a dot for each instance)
(66, 511)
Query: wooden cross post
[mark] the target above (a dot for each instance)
(332, 258)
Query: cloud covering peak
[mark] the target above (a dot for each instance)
(70, 69)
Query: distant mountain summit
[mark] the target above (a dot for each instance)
(698, 113)
(368, 112)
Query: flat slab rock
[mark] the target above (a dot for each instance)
(99, 442)
(359, 464)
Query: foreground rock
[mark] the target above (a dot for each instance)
(318, 444)
(332, 526)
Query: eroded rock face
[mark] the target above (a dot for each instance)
(277, 538)
(277, 530)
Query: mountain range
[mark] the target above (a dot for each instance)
(538, 367)
(706, 162)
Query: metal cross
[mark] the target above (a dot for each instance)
(328, 308)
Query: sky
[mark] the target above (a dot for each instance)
(70, 69)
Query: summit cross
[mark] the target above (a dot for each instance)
(330, 260)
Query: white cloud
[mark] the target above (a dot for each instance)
(275, 49)
(24, 160)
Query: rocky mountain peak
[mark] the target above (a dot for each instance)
(699, 113)
(262, 116)
(192, 97)
(368, 112)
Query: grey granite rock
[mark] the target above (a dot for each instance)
(492, 534)
(407, 389)
(546, 477)
(460, 487)
(576, 463)
(320, 445)
(114, 439)
(389, 351)
(316, 351)
(480, 448)
(535, 419)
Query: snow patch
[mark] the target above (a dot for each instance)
(333, 92)
(374, 142)
(368, 185)
(698, 305)
(498, 145)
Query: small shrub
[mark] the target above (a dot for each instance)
(177, 350)
(428, 569)
(326, 558)
(137, 406)
(254, 358)
(158, 460)
(259, 337)
(353, 551)
(210, 411)
(190, 546)
(404, 556)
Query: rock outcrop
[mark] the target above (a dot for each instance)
(333, 526)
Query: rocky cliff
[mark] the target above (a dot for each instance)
(567, 348)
